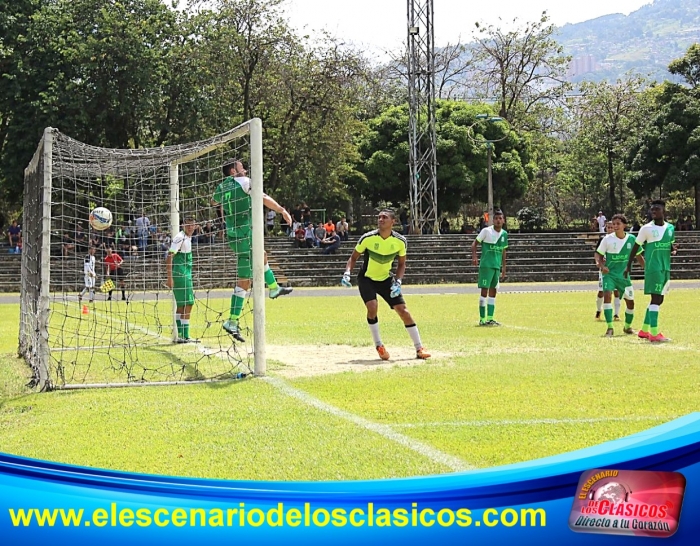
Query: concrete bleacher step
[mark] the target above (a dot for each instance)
(431, 259)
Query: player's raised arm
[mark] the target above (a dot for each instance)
(271, 204)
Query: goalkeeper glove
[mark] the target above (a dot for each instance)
(395, 288)
(345, 281)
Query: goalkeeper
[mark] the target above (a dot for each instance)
(379, 248)
(233, 198)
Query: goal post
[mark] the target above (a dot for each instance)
(70, 341)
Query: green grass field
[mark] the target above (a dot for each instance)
(544, 383)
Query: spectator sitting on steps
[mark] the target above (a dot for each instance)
(331, 243)
(300, 237)
(310, 236)
(320, 233)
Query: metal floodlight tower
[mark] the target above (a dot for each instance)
(422, 141)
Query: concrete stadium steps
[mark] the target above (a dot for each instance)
(431, 259)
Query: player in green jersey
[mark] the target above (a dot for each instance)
(600, 299)
(611, 258)
(233, 197)
(380, 247)
(492, 267)
(658, 239)
(178, 265)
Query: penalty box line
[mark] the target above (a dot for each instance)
(454, 463)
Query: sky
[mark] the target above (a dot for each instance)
(380, 25)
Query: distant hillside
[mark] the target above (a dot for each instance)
(644, 41)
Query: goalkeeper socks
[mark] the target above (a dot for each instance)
(490, 308)
(237, 301)
(270, 278)
(178, 321)
(629, 316)
(482, 309)
(185, 328)
(374, 328)
(654, 319)
(617, 307)
(608, 311)
(599, 304)
(412, 330)
(645, 326)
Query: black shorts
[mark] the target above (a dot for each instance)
(118, 273)
(369, 290)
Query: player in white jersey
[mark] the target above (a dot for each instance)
(90, 275)
(599, 302)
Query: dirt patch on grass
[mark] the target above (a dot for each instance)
(313, 360)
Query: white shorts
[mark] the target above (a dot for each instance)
(89, 281)
(629, 293)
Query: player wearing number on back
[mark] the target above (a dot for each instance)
(612, 256)
(379, 248)
(492, 267)
(658, 238)
(233, 197)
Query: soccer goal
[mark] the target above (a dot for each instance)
(124, 332)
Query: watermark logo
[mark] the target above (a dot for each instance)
(628, 502)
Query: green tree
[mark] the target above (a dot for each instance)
(94, 69)
(609, 116)
(520, 69)
(461, 157)
(667, 153)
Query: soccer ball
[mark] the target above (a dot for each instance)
(100, 218)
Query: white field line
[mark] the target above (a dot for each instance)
(435, 455)
(431, 453)
(526, 422)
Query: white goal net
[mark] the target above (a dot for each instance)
(90, 319)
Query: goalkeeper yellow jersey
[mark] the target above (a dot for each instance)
(379, 253)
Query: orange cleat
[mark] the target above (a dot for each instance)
(383, 353)
(422, 354)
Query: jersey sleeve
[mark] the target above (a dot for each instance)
(673, 233)
(603, 246)
(640, 250)
(641, 237)
(482, 235)
(505, 240)
(218, 194)
(361, 245)
(402, 250)
(245, 183)
(177, 243)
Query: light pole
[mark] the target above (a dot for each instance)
(489, 148)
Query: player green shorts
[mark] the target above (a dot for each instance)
(622, 284)
(657, 282)
(488, 277)
(182, 287)
(244, 256)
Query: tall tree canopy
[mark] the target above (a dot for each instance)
(461, 157)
